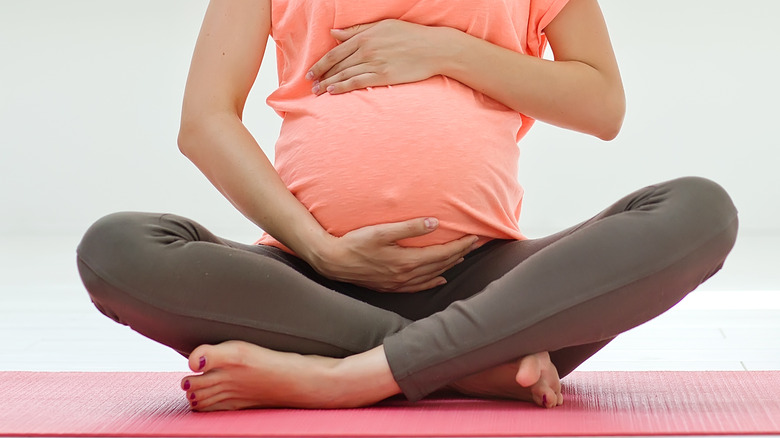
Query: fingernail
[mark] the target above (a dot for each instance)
(431, 223)
(192, 396)
(186, 385)
(202, 363)
(309, 76)
(330, 88)
(316, 87)
(460, 261)
(544, 400)
(441, 282)
(194, 404)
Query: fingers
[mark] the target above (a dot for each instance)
(349, 82)
(340, 52)
(429, 263)
(435, 269)
(438, 260)
(343, 70)
(462, 246)
(429, 267)
(350, 74)
(414, 282)
(428, 276)
(330, 59)
(378, 262)
(347, 33)
(395, 231)
(432, 258)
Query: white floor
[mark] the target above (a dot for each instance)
(47, 322)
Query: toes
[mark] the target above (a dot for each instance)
(202, 394)
(544, 396)
(220, 401)
(206, 403)
(550, 399)
(226, 405)
(550, 375)
(198, 361)
(546, 390)
(198, 383)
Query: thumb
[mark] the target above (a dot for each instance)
(396, 231)
(348, 32)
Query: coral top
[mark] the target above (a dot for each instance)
(434, 148)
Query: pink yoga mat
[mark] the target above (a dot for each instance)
(596, 403)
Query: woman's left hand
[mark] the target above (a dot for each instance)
(386, 52)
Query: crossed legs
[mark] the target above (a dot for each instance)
(568, 294)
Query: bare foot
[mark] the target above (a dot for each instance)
(533, 378)
(239, 375)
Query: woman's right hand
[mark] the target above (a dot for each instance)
(371, 257)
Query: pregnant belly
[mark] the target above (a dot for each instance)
(390, 154)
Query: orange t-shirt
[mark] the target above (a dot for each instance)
(434, 148)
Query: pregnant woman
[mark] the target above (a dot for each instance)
(392, 260)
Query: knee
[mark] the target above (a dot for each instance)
(109, 233)
(708, 198)
(706, 206)
(114, 241)
(104, 253)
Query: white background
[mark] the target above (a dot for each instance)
(91, 93)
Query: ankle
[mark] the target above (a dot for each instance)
(364, 378)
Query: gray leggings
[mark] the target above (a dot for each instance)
(569, 293)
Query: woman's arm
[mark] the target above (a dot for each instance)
(580, 90)
(224, 66)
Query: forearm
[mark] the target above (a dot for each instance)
(227, 154)
(569, 94)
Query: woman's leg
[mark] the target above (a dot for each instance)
(624, 267)
(685, 226)
(172, 280)
(570, 296)
(483, 266)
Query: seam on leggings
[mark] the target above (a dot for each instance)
(244, 322)
(558, 309)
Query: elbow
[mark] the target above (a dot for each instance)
(197, 130)
(610, 129)
(184, 140)
(611, 122)
(188, 135)
(608, 135)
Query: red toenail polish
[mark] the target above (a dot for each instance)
(544, 399)
(202, 363)
(192, 396)
(186, 385)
